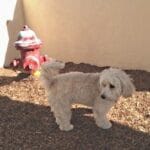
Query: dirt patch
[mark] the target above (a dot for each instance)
(26, 121)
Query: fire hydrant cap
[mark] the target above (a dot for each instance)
(27, 39)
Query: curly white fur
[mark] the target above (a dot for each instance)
(98, 90)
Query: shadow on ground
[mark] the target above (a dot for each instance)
(140, 78)
(6, 80)
(30, 126)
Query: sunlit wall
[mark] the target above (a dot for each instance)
(101, 32)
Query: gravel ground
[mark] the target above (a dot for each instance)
(26, 122)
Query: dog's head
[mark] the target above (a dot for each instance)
(115, 83)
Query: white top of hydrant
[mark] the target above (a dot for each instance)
(27, 38)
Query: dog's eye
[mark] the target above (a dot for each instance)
(111, 86)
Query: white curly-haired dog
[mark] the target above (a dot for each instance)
(98, 90)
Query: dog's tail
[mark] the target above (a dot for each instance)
(49, 70)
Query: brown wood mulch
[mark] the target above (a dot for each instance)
(26, 122)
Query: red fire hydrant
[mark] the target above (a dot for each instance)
(29, 46)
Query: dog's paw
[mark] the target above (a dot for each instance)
(66, 128)
(105, 125)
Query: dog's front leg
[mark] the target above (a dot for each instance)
(100, 111)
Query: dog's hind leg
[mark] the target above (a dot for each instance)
(63, 114)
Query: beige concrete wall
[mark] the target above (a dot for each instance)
(101, 32)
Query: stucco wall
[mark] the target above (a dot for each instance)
(100, 32)
(114, 33)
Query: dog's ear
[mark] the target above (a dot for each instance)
(126, 84)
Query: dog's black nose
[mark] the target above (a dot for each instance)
(103, 96)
